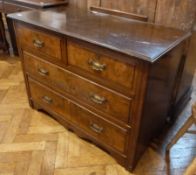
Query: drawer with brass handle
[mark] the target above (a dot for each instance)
(45, 45)
(103, 130)
(101, 66)
(87, 92)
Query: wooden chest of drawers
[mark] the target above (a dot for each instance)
(115, 99)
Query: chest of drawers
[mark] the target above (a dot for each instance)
(112, 95)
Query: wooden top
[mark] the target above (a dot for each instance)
(39, 3)
(142, 40)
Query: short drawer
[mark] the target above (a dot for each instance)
(99, 65)
(104, 131)
(88, 92)
(41, 43)
(48, 99)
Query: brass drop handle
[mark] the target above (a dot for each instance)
(97, 99)
(97, 66)
(43, 72)
(47, 99)
(96, 128)
(38, 43)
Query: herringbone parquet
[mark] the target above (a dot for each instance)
(32, 143)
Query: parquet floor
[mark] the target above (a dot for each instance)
(31, 143)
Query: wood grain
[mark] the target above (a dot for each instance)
(41, 43)
(142, 7)
(12, 8)
(176, 13)
(172, 13)
(102, 130)
(101, 65)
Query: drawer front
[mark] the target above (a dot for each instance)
(13, 8)
(48, 99)
(92, 94)
(101, 66)
(95, 126)
(40, 43)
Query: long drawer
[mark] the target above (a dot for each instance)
(102, 130)
(41, 43)
(99, 97)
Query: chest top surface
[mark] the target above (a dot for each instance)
(142, 40)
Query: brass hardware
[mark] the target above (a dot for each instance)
(97, 99)
(47, 99)
(38, 44)
(43, 72)
(97, 66)
(96, 128)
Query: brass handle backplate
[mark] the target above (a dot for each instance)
(47, 99)
(97, 99)
(43, 72)
(97, 66)
(38, 43)
(96, 128)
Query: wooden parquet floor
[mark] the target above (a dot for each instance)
(32, 143)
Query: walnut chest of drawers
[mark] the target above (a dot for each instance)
(110, 84)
